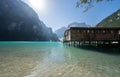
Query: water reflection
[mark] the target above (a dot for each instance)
(96, 62)
(105, 50)
(53, 59)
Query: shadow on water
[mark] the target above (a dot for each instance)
(105, 50)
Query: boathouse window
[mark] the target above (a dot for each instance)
(111, 31)
(119, 32)
(83, 31)
(88, 31)
(103, 31)
(92, 31)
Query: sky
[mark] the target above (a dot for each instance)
(59, 13)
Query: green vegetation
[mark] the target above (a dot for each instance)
(111, 21)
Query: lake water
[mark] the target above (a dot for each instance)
(54, 59)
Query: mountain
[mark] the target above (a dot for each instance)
(76, 24)
(19, 22)
(111, 21)
(60, 32)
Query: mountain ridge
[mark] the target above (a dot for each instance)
(76, 24)
(112, 20)
(19, 22)
(60, 32)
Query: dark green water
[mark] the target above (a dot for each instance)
(53, 59)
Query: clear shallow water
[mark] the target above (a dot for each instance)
(53, 59)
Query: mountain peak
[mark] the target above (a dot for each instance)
(76, 24)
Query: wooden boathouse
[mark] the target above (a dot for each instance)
(92, 36)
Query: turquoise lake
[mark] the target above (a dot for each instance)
(55, 59)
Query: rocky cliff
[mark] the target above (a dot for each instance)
(19, 22)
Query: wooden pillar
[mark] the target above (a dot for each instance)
(118, 43)
(79, 43)
(83, 42)
(69, 43)
(95, 43)
(89, 43)
(73, 43)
